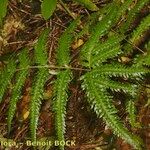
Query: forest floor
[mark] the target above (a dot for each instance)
(22, 27)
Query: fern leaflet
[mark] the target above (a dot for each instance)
(63, 79)
(16, 93)
(6, 76)
(102, 105)
(60, 102)
(39, 82)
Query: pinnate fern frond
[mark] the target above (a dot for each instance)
(60, 102)
(20, 80)
(6, 76)
(102, 104)
(39, 82)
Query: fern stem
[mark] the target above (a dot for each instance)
(53, 67)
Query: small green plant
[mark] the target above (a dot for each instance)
(98, 57)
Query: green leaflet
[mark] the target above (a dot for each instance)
(40, 48)
(47, 8)
(147, 57)
(120, 70)
(36, 96)
(131, 109)
(100, 29)
(60, 103)
(64, 43)
(107, 83)
(20, 80)
(144, 59)
(132, 14)
(88, 4)
(63, 79)
(108, 49)
(39, 82)
(139, 31)
(3, 9)
(6, 75)
(102, 105)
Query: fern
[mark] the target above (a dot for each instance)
(102, 105)
(63, 79)
(6, 76)
(99, 56)
(16, 93)
(39, 82)
(97, 82)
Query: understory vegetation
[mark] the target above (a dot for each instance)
(110, 63)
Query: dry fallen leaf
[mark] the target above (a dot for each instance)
(77, 44)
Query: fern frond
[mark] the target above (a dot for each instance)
(138, 32)
(64, 43)
(6, 76)
(131, 110)
(100, 29)
(20, 80)
(102, 104)
(39, 82)
(132, 14)
(120, 70)
(60, 102)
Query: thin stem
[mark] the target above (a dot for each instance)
(54, 67)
